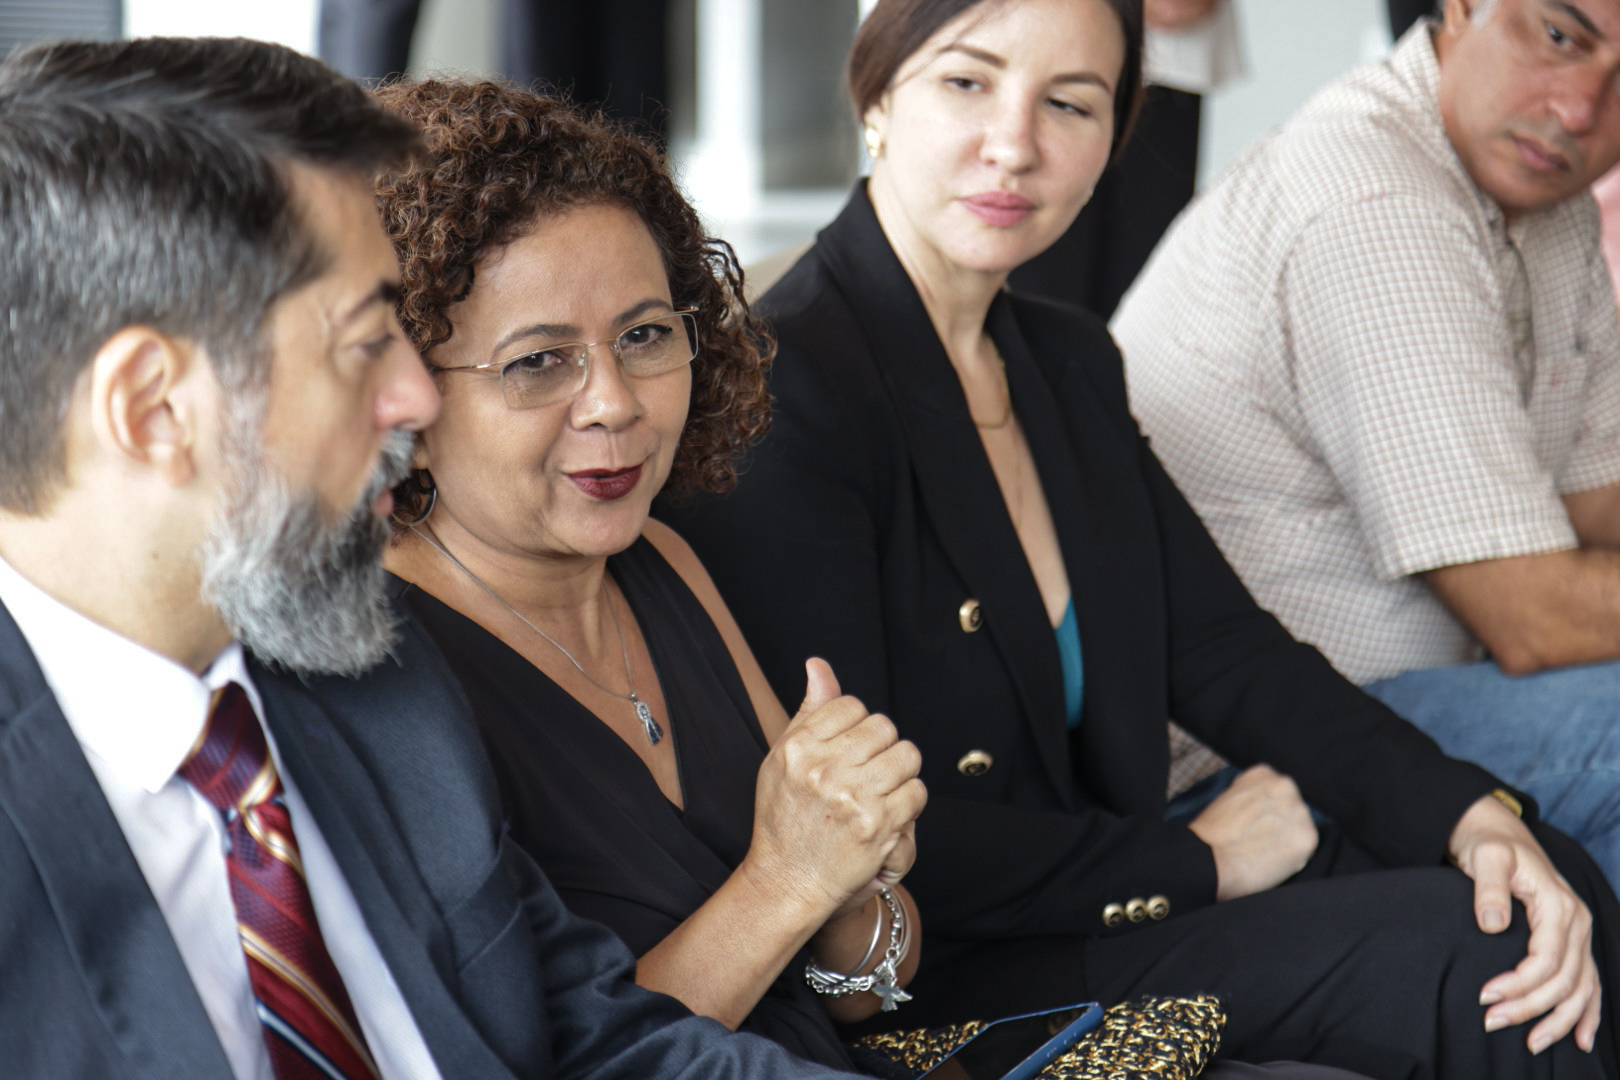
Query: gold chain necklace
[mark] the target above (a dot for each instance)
(649, 723)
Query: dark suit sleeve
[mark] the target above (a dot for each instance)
(988, 871)
(606, 1027)
(456, 905)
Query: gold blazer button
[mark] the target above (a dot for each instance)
(970, 615)
(1158, 907)
(1136, 909)
(1113, 915)
(975, 763)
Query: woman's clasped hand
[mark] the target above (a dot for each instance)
(836, 804)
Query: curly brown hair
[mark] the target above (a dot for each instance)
(499, 159)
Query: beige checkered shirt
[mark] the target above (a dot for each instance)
(1357, 370)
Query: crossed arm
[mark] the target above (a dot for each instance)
(1534, 612)
(1425, 428)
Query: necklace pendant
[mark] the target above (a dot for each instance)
(655, 734)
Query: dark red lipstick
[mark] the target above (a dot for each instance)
(607, 484)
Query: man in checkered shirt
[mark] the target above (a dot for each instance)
(1381, 357)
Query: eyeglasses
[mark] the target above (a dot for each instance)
(651, 347)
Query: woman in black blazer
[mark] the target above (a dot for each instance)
(924, 526)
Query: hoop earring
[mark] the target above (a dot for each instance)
(874, 142)
(432, 491)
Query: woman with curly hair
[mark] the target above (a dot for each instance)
(591, 346)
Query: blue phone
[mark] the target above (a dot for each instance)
(1019, 1047)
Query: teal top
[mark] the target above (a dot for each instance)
(1074, 671)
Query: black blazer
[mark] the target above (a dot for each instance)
(500, 978)
(870, 516)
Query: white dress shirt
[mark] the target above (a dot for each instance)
(136, 715)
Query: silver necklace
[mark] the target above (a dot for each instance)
(649, 723)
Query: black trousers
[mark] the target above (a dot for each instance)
(1136, 200)
(1375, 971)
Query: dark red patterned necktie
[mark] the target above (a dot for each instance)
(309, 1025)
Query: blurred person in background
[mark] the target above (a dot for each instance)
(1190, 49)
(612, 53)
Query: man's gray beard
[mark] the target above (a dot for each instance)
(300, 593)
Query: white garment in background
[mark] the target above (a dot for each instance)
(1197, 59)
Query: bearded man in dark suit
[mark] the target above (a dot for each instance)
(244, 831)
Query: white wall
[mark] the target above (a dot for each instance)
(459, 36)
(451, 35)
(1292, 47)
(291, 22)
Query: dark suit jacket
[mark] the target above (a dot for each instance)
(870, 515)
(501, 979)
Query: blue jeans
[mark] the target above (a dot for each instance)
(1555, 735)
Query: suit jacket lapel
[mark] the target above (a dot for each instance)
(1105, 525)
(114, 930)
(957, 485)
(399, 907)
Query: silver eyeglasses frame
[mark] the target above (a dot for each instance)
(688, 316)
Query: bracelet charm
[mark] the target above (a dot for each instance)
(884, 980)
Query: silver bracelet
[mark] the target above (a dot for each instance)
(831, 983)
(877, 936)
(884, 980)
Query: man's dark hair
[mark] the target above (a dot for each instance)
(147, 182)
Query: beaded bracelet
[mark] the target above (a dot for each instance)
(884, 980)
